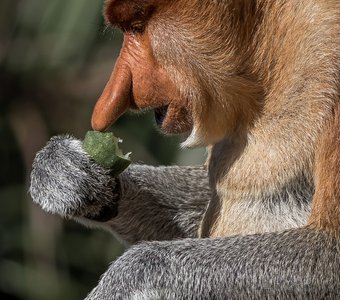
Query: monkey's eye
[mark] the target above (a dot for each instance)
(134, 27)
(137, 27)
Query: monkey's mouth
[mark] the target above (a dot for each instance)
(160, 114)
(173, 119)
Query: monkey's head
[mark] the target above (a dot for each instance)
(182, 58)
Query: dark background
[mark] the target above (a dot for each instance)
(55, 58)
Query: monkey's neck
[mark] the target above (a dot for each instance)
(246, 213)
(263, 181)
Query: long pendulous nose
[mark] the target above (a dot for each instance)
(115, 99)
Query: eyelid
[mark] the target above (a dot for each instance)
(137, 26)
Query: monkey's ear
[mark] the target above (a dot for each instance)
(123, 13)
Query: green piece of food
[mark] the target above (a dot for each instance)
(104, 149)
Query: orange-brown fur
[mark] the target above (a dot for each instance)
(254, 80)
(326, 202)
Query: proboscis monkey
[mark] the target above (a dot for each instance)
(258, 83)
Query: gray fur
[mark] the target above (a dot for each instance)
(161, 203)
(296, 264)
(65, 180)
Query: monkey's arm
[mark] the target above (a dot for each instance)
(297, 264)
(154, 203)
(161, 203)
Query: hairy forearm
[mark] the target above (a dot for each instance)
(143, 203)
(297, 264)
(161, 203)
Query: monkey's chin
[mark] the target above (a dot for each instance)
(193, 140)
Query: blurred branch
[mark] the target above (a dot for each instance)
(31, 133)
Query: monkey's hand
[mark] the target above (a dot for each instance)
(155, 203)
(65, 180)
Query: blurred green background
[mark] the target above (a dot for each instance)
(55, 58)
